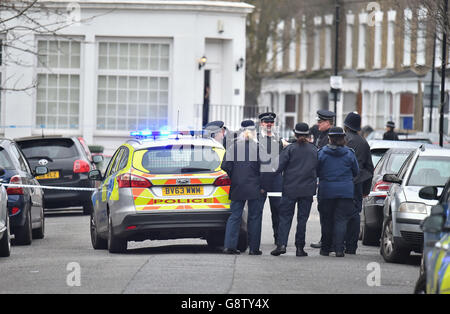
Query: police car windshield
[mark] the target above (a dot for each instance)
(180, 159)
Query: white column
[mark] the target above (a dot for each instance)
(328, 44)
(378, 44)
(349, 41)
(362, 41)
(269, 55)
(303, 46)
(317, 28)
(407, 38)
(280, 48)
(421, 36)
(293, 46)
(390, 60)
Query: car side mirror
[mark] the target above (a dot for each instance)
(97, 159)
(40, 170)
(391, 178)
(95, 175)
(2, 172)
(429, 193)
(433, 224)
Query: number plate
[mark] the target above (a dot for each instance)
(182, 190)
(50, 175)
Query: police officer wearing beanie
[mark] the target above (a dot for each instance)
(390, 135)
(270, 146)
(242, 164)
(363, 181)
(336, 169)
(298, 163)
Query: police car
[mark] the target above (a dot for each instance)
(162, 186)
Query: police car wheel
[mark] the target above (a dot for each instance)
(98, 243)
(216, 239)
(421, 285)
(115, 244)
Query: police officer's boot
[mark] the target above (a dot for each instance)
(281, 249)
(300, 252)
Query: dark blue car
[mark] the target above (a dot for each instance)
(25, 204)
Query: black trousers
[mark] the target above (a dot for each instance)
(275, 211)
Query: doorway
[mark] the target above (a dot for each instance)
(206, 96)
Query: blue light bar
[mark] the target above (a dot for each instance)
(143, 134)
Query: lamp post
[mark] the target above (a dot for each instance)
(444, 64)
(336, 52)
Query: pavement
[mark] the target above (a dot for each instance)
(65, 262)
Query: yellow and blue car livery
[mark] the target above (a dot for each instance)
(162, 188)
(437, 262)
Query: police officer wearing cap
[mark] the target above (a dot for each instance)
(216, 130)
(270, 148)
(336, 169)
(242, 164)
(390, 135)
(352, 125)
(298, 164)
(325, 119)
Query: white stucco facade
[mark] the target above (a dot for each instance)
(184, 30)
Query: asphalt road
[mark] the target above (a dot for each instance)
(65, 262)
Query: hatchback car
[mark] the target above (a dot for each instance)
(379, 147)
(68, 165)
(404, 209)
(25, 204)
(5, 231)
(162, 188)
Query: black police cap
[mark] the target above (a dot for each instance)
(390, 124)
(336, 131)
(267, 117)
(215, 124)
(325, 115)
(248, 124)
(301, 129)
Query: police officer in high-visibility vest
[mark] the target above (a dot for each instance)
(270, 146)
(298, 163)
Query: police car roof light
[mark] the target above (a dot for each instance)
(145, 134)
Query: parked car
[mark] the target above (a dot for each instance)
(102, 165)
(68, 164)
(379, 147)
(25, 204)
(5, 231)
(372, 209)
(404, 209)
(434, 274)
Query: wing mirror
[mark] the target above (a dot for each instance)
(95, 175)
(391, 178)
(40, 170)
(97, 159)
(429, 193)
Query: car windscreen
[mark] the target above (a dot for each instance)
(377, 154)
(178, 159)
(430, 171)
(49, 148)
(395, 162)
(5, 160)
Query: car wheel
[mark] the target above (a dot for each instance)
(98, 243)
(216, 238)
(5, 241)
(421, 285)
(24, 234)
(390, 252)
(369, 236)
(115, 244)
(39, 233)
(88, 208)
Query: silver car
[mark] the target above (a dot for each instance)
(403, 209)
(5, 235)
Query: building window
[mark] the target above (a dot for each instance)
(378, 44)
(133, 86)
(58, 84)
(390, 58)
(362, 41)
(303, 47)
(280, 47)
(421, 36)
(407, 38)
(380, 110)
(349, 41)
(349, 103)
(407, 110)
(293, 46)
(317, 31)
(290, 111)
(328, 26)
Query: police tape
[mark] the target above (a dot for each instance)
(48, 187)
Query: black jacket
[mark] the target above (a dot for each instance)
(298, 163)
(364, 157)
(269, 154)
(390, 136)
(242, 164)
(322, 139)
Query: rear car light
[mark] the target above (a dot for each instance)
(81, 166)
(15, 210)
(381, 186)
(222, 181)
(13, 190)
(128, 180)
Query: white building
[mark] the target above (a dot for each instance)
(119, 66)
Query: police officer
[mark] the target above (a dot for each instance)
(270, 148)
(336, 169)
(390, 135)
(216, 130)
(352, 125)
(325, 119)
(242, 164)
(298, 163)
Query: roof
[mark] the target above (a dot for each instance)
(382, 144)
(182, 141)
(435, 151)
(42, 137)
